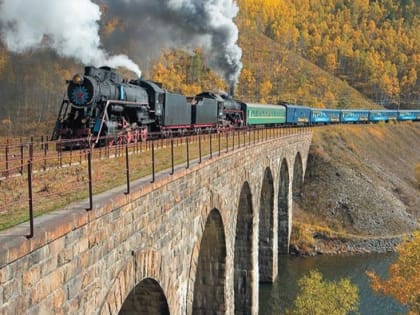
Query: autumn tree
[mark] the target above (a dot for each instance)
(318, 296)
(265, 89)
(373, 45)
(403, 283)
(185, 73)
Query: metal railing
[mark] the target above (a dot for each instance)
(39, 177)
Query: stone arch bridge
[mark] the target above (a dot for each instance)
(196, 242)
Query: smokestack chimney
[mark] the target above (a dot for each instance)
(232, 90)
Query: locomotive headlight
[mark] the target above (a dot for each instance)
(77, 79)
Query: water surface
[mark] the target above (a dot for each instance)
(274, 299)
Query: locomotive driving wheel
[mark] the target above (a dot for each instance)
(143, 134)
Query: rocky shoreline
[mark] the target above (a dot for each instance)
(324, 245)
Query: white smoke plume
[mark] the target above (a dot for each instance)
(70, 27)
(184, 24)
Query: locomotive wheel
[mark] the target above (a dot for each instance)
(143, 134)
(118, 140)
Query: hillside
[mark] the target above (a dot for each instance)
(318, 53)
(372, 45)
(360, 182)
(290, 78)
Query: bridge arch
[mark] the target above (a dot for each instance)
(297, 184)
(209, 285)
(137, 276)
(146, 298)
(283, 209)
(266, 229)
(243, 253)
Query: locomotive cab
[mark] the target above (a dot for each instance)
(156, 99)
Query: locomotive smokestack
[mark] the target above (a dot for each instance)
(232, 90)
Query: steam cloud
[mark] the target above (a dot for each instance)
(184, 24)
(69, 27)
(72, 29)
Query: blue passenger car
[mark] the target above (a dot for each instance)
(404, 115)
(417, 113)
(378, 115)
(392, 115)
(297, 115)
(354, 116)
(333, 114)
(318, 116)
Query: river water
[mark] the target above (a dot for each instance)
(275, 298)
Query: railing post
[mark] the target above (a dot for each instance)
(7, 158)
(188, 152)
(233, 140)
(45, 154)
(31, 209)
(153, 161)
(127, 169)
(199, 148)
(211, 149)
(219, 143)
(227, 141)
(90, 180)
(172, 156)
(31, 151)
(21, 157)
(59, 147)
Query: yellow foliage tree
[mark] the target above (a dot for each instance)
(265, 90)
(403, 283)
(318, 296)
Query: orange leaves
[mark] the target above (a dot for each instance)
(185, 74)
(403, 282)
(265, 90)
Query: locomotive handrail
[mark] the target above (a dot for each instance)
(105, 114)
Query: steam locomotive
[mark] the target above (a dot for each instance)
(104, 108)
(100, 104)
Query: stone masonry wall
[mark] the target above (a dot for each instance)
(87, 262)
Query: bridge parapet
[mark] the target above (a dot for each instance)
(195, 241)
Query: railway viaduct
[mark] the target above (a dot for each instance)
(196, 242)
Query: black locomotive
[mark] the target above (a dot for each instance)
(101, 105)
